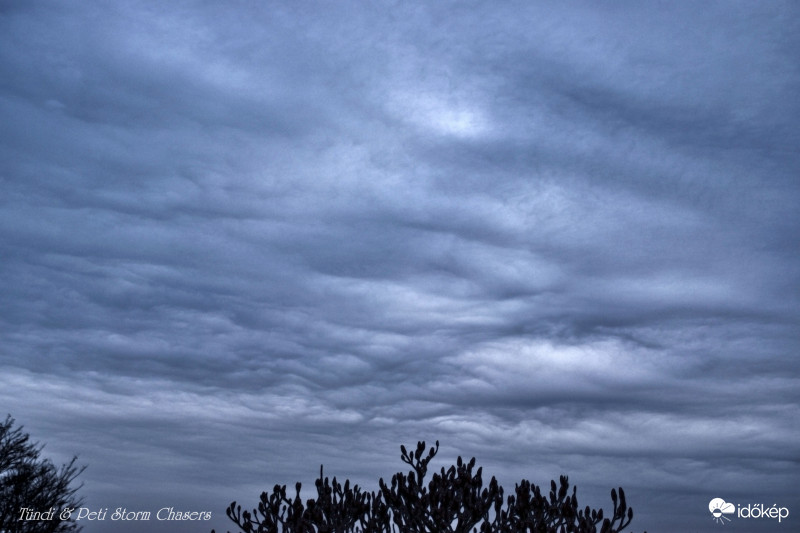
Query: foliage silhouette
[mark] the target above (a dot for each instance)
(453, 501)
(28, 481)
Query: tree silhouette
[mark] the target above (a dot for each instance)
(453, 501)
(30, 482)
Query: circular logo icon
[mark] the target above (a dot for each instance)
(719, 508)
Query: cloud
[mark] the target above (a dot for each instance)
(239, 241)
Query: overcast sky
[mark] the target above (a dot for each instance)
(242, 239)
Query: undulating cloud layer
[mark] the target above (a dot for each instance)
(241, 239)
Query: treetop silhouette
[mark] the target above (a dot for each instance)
(455, 500)
(30, 482)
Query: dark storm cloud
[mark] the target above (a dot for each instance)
(242, 240)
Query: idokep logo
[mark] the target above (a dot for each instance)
(719, 508)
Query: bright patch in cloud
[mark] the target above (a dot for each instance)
(441, 115)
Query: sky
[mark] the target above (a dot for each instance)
(242, 239)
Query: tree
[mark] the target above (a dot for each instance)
(453, 501)
(29, 482)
